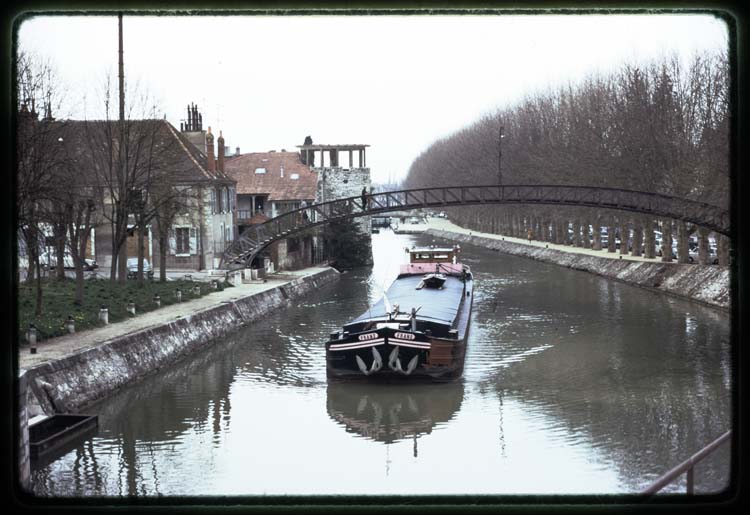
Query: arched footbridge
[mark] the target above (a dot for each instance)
(254, 239)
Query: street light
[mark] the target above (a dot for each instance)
(500, 137)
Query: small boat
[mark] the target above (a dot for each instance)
(54, 435)
(418, 329)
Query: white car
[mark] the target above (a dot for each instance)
(49, 260)
(133, 268)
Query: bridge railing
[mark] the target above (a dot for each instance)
(655, 204)
(686, 466)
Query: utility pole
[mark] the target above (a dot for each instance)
(121, 71)
(122, 251)
(499, 155)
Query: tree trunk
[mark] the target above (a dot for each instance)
(597, 236)
(141, 255)
(60, 252)
(649, 242)
(585, 237)
(703, 246)
(163, 255)
(624, 236)
(122, 262)
(38, 307)
(666, 241)
(611, 235)
(637, 237)
(722, 250)
(682, 243)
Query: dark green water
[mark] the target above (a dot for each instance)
(573, 385)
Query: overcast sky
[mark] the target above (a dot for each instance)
(396, 83)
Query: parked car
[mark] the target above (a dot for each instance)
(133, 268)
(90, 264)
(49, 260)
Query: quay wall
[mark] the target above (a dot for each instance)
(73, 383)
(706, 284)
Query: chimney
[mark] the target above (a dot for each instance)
(210, 150)
(237, 152)
(221, 148)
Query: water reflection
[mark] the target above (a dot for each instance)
(389, 413)
(573, 384)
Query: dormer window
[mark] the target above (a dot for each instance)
(260, 170)
(294, 176)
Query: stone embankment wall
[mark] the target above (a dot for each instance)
(71, 384)
(707, 284)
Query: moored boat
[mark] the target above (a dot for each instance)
(418, 329)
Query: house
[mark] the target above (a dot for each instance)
(170, 181)
(270, 184)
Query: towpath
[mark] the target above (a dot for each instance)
(56, 348)
(443, 224)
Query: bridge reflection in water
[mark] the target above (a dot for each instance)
(388, 413)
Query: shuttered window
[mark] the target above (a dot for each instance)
(182, 240)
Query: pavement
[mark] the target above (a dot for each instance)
(62, 346)
(444, 224)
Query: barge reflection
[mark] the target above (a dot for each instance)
(388, 413)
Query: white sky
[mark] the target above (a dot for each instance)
(396, 83)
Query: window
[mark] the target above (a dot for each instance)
(182, 236)
(213, 201)
(294, 176)
(260, 170)
(219, 205)
(224, 199)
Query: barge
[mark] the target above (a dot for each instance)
(418, 329)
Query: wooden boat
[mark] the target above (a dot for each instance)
(56, 434)
(418, 329)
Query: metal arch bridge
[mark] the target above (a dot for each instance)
(254, 239)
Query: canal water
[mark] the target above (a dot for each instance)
(573, 384)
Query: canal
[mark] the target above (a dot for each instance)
(573, 384)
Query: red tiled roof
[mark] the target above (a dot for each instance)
(242, 169)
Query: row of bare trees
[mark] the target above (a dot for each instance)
(662, 127)
(120, 176)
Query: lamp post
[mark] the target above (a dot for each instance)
(500, 137)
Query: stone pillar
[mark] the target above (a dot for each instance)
(351, 163)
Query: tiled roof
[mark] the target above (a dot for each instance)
(242, 169)
(86, 143)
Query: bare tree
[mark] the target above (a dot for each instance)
(36, 156)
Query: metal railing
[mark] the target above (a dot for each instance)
(256, 237)
(686, 466)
